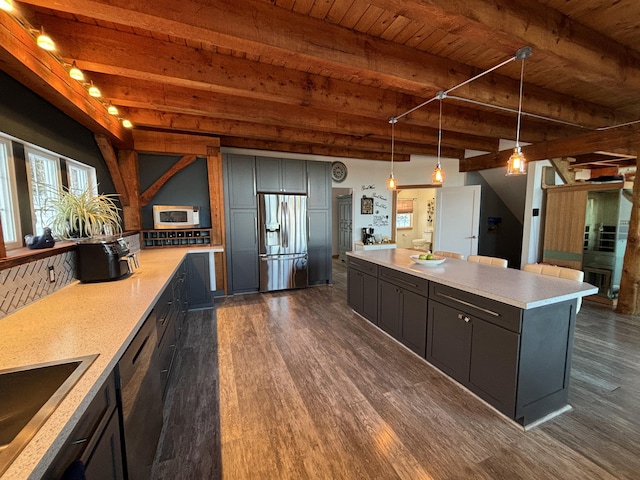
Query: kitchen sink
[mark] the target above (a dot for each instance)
(28, 396)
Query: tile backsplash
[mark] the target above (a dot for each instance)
(28, 282)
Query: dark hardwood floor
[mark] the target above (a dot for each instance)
(294, 385)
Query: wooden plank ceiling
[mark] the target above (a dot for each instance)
(324, 76)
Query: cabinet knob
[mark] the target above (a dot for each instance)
(461, 316)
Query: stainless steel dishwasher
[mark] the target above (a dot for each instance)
(141, 397)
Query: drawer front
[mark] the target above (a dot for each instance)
(363, 266)
(166, 352)
(501, 314)
(404, 280)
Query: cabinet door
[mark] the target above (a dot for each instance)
(494, 365)
(355, 289)
(319, 247)
(319, 195)
(105, 462)
(244, 251)
(413, 327)
(268, 175)
(449, 340)
(370, 297)
(240, 179)
(294, 176)
(199, 284)
(389, 308)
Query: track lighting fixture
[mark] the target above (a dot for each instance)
(76, 73)
(44, 41)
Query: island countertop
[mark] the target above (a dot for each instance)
(520, 289)
(78, 320)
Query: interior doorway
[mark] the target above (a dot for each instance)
(414, 217)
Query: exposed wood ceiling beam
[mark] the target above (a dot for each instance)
(508, 25)
(235, 128)
(180, 100)
(97, 49)
(625, 137)
(300, 40)
(41, 72)
(308, 149)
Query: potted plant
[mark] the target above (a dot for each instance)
(83, 214)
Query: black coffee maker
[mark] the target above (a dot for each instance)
(367, 236)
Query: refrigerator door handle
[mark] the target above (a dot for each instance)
(285, 220)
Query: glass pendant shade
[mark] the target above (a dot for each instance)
(517, 164)
(391, 183)
(76, 73)
(94, 91)
(112, 109)
(438, 175)
(44, 41)
(6, 5)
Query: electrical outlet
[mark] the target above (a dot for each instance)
(52, 274)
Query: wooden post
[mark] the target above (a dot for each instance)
(629, 295)
(216, 202)
(128, 167)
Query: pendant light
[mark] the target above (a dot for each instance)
(76, 73)
(437, 177)
(44, 41)
(6, 5)
(391, 183)
(517, 164)
(127, 123)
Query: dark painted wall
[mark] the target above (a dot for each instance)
(502, 240)
(30, 118)
(189, 186)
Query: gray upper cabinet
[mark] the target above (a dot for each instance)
(281, 175)
(240, 175)
(319, 185)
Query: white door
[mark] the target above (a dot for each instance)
(457, 219)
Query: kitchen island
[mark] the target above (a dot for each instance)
(79, 320)
(504, 334)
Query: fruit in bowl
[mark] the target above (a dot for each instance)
(427, 259)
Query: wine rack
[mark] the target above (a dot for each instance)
(175, 238)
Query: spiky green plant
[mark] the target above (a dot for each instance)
(83, 214)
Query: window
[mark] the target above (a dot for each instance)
(404, 213)
(81, 177)
(44, 183)
(8, 199)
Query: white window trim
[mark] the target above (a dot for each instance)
(13, 195)
(31, 150)
(88, 169)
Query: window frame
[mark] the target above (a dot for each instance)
(87, 170)
(11, 194)
(40, 214)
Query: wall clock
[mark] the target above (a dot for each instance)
(338, 171)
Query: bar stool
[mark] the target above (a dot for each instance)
(559, 272)
(496, 262)
(440, 253)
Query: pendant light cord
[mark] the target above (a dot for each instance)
(520, 106)
(393, 139)
(439, 131)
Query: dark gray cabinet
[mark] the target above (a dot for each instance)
(241, 210)
(95, 441)
(281, 175)
(240, 176)
(362, 288)
(319, 212)
(519, 361)
(402, 310)
(199, 287)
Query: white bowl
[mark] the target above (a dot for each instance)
(431, 263)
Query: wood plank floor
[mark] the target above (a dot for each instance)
(294, 385)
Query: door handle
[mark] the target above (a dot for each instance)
(464, 317)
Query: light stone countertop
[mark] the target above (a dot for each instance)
(77, 320)
(507, 285)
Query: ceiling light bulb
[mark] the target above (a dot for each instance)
(112, 109)
(76, 73)
(517, 164)
(127, 124)
(438, 175)
(391, 183)
(6, 5)
(44, 41)
(94, 91)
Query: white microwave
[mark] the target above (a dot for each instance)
(176, 216)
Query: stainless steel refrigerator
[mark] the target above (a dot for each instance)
(283, 238)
